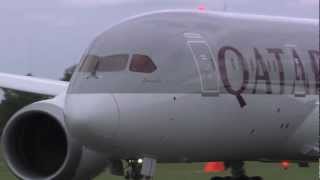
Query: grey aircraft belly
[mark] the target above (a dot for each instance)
(176, 86)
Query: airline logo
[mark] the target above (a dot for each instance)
(261, 69)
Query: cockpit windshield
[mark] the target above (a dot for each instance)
(112, 63)
(124, 60)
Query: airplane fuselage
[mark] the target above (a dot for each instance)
(192, 86)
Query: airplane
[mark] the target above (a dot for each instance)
(174, 86)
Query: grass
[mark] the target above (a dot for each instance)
(195, 172)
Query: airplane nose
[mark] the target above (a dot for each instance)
(92, 119)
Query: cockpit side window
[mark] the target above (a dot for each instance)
(142, 64)
(113, 63)
(89, 64)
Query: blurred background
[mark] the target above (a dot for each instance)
(44, 37)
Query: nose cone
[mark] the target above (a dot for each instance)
(92, 119)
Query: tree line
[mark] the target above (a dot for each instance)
(15, 100)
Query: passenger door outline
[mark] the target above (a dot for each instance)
(206, 66)
(299, 90)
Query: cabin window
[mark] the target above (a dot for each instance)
(142, 64)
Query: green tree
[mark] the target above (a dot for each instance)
(68, 73)
(15, 100)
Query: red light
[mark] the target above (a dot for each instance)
(201, 7)
(285, 165)
(214, 167)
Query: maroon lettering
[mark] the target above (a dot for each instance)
(261, 76)
(315, 63)
(224, 75)
(277, 54)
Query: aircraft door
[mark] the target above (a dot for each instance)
(207, 68)
(300, 71)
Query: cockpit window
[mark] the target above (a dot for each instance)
(112, 63)
(89, 64)
(142, 64)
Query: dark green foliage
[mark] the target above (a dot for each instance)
(15, 100)
(68, 73)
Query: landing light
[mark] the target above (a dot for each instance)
(140, 161)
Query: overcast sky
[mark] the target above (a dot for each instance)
(46, 36)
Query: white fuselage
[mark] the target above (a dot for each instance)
(226, 86)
